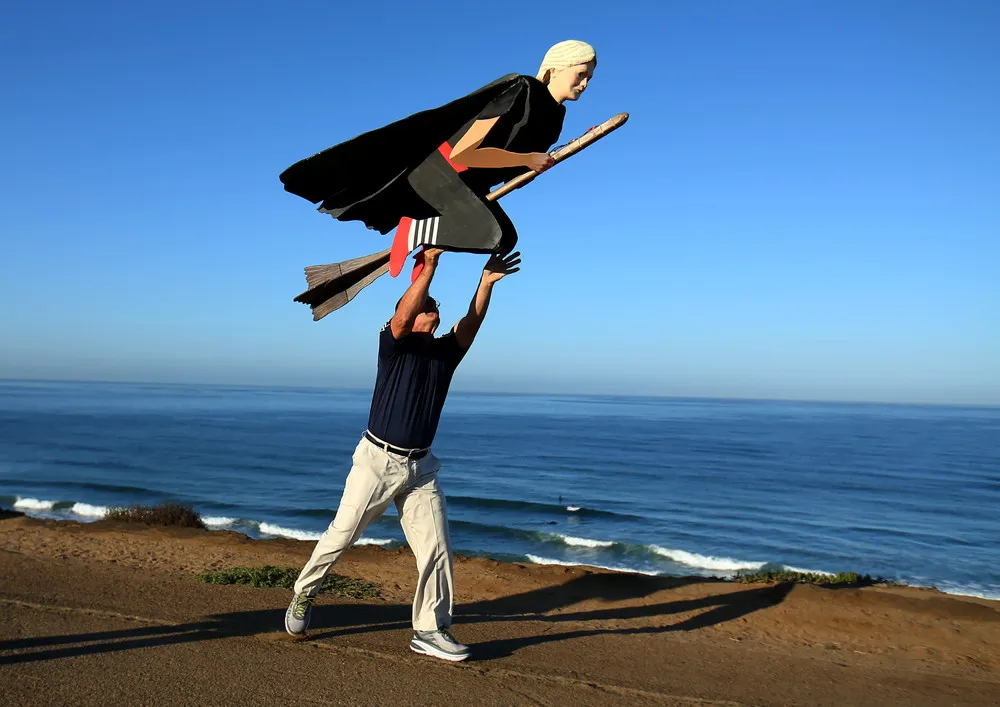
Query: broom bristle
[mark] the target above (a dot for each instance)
(318, 274)
(332, 286)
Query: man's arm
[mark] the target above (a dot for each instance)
(496, 269)
(415, 296)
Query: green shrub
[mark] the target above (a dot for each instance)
(841, 579)
(284, 577)
(163, 514)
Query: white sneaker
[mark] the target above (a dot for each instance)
(298, 614)
(439, 644)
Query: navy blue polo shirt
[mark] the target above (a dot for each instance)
(414, 373)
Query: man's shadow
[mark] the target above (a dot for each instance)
(537, 605)
(721, 607)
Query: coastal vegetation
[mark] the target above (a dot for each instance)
(284, 578)
(840, 579)
(170, 514)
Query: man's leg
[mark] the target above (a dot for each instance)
(423, 515)
(371, 484)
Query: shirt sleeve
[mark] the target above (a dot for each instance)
(387, 343)
(449, 350)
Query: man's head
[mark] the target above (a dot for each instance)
(429, 317)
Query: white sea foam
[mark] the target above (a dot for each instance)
(691, 559)
(584, 542)
(374, 541)
(548, 561)
(278, 531)
(802, 571)
(217, 521)
(88, 511)
(992, 596)
(33, 504)
(294, 533)
(538, 560)
(966, 590)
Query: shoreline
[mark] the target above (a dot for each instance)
(393, 544)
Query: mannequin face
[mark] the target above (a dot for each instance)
(570, 83)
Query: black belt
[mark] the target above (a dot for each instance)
(409, 453)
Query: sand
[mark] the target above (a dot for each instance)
(108, 613)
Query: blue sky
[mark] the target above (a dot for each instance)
(805, 202)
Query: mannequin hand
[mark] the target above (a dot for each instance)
(539, 161)
(497, 267)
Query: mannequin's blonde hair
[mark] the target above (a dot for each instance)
(564, 55)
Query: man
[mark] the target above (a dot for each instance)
(393, 461)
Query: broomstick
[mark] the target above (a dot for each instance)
(332, 286)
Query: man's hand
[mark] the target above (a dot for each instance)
(431, 255)
(498, 267)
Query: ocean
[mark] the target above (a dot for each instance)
(653, 485)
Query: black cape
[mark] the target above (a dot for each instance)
(366, 177)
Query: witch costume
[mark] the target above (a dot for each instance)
(401, 177)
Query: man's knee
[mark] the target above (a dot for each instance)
(346, 520)
(504, 233)
(507, 241)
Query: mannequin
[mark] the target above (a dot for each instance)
(428, 174)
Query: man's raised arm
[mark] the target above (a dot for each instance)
(496, 269)
(415, 297)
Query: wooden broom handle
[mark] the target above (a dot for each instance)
(588, 138)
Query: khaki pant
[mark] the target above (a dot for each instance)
(378, 478)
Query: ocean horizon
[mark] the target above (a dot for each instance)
(459, 389)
